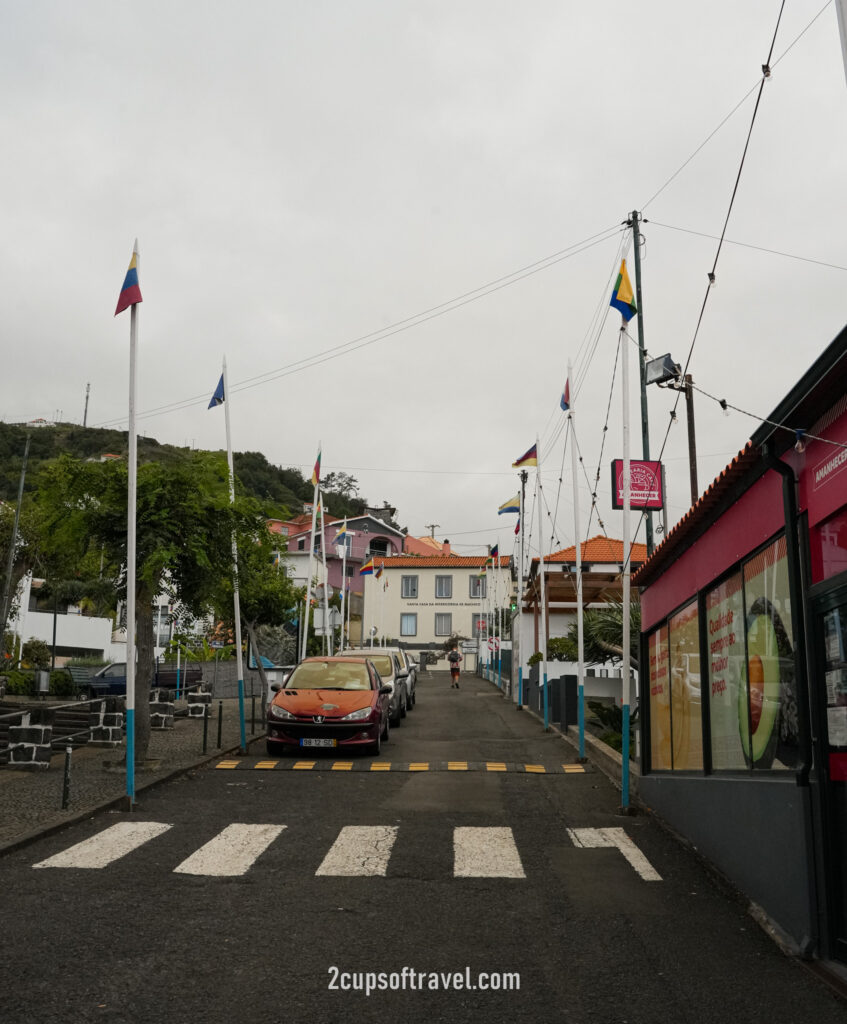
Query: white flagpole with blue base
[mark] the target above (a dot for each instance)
(236, 600)
(542, 627)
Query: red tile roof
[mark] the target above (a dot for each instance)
(442, 561)
(599, 549)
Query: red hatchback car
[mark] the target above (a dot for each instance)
(329, 702)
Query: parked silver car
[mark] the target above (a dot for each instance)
(392, 673)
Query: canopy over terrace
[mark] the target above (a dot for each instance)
(602, 567)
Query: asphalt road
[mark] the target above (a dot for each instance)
(350, 876)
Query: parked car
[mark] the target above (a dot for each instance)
(392, 674)
(111, 680)
(329, 702)
(411, 668)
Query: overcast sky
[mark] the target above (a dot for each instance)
(304, 175)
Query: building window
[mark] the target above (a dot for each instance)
(444, 586)
(301, 544)
(443, 624)
(408, 624)
(409, 586)
(477, 625)
(478, 587)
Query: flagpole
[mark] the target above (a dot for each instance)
(580, 707)
(382, 610)
(524, 476)
(543, 624)
(236, 599)
(343, 580)
(625, 667)
(311, 560)
(132, 490)
(328, 635)
(499, 618)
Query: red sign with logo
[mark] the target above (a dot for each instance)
(645, 487)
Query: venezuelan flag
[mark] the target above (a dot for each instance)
(316, 472)
(623, 297)
(529, 458)
(367, 569)
(130, 290)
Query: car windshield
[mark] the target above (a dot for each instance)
(382, 663)
(329, 675)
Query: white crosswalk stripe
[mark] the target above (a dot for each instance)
(106, 847)
(486, 853)
(231, 852)
(592, 838)
(360, 850)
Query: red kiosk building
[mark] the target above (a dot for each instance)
(744, 666)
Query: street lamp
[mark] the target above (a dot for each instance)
(665, 372)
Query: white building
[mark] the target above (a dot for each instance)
(422, 601)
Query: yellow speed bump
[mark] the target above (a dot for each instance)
(303, 766)
(227, 764)
(535, 769)
(495, 766)
(457, 766)
(419, 766)
(265, 764)
(572, 768)
(381, 766)
(342, 766)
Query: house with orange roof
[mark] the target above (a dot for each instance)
(603, 561)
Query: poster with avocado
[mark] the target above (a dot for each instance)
(767, 704)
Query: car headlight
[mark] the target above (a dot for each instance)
(358, 716)
(280, 712)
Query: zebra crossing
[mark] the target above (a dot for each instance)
(357, 851)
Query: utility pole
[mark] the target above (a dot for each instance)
(686, 385)
(85, 414)
(432, 527)
(642, 364)
(7, 589)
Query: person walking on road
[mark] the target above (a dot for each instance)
(454, 658)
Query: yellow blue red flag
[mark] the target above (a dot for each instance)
(623, 297)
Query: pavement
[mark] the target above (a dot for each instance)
(31, 799)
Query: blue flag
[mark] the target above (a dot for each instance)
(218, 396)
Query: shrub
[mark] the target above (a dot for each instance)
(20, 684)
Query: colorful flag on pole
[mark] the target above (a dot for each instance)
(623, 297)
(565, 400)
(342, 533)
(518, 526)
(379, 571)
(130, 290)
(367, 569)
(316, 472)
(495, 552)
(529, 458)
(512, 505)
(218, 396)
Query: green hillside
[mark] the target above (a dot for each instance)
(280, 490)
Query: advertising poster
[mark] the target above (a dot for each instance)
(727, 686)
(660, 705)
(686, 709)
(770, 733)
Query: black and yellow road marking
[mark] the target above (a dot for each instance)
(365, 765)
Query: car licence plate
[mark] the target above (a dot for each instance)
(317, 742)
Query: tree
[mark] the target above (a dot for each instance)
(184, 524)
(265, 592)
(602, 636)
